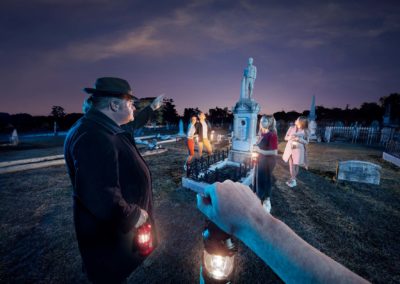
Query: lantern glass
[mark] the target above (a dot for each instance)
(218, 267)
(144, 237)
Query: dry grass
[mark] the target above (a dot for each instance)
(356, 224)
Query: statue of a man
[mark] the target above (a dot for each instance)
(249, 76)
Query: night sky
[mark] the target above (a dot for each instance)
(343, 52)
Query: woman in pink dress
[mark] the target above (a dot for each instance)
(295, 150)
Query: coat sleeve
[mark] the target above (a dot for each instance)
(97, 182)
(141, 118)
(288, 133)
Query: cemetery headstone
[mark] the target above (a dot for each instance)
(358, 171)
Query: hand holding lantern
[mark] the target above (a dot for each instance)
(144, 237)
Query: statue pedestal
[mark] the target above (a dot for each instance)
(244, 128)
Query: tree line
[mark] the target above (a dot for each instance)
(364, 115)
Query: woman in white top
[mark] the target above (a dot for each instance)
(295, 150)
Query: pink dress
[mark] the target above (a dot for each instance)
(296, 149)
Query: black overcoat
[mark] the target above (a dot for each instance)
(111, 182)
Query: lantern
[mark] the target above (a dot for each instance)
(218, 256)
(144, 239)
(254, 157)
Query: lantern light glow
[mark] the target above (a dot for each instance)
(219, 267)
(144, 239)
(218, 261)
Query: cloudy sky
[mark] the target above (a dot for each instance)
(343, 52)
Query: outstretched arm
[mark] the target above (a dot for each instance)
(238, 211)
(144, 115)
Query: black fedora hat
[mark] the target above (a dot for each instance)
(111, 87)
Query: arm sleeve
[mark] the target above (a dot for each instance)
(274, 142)
(141, 118)
(288, 133)
(97, 182)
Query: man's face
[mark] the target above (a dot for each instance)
(202, 116)
(125, 111)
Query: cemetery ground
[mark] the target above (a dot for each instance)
(356, 224)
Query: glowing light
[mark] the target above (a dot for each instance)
(144, 238)
(254, 155)
(218, 267)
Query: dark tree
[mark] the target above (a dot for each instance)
(169, 113)
(5, 122)
(57, 112)
(23, 121)
(393, 100)
(219, 115)
(370, 112)
(280, 115)
(70, 119)
(188, 112)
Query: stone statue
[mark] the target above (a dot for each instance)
(249, 76)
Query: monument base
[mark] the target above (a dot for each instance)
(239, 156)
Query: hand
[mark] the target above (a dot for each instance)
(156, 104)
(231, 206)
(142, 218)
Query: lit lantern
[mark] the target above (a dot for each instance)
(254, 157)
(218, 256)
(212, 135)
(144, 239)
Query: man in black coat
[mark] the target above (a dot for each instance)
(112, 191)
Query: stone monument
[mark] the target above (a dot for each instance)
(386, 116)
(181, 133)
(245, 117)
(312, 124)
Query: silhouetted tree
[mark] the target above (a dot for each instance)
(169, 113)
(70, 119)
(57, 112)
(394, 101)
(5, 122)
(188, 112)
(370, 112)
(280, 115)
(23, 121)
(219, 115)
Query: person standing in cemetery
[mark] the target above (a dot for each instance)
(112, 191)
(204, 130)
(267, 149)
(234, 208)
(191, 135)
(295, 150)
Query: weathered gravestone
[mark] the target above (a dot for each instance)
(358, 171)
